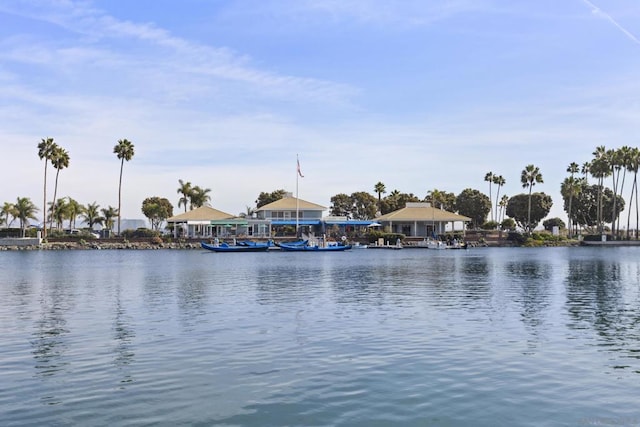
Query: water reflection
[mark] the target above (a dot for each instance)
(283, 284)
(123, 335)
(192, 295)
(398, 336)
(531, 281)
(474, 277)
(595, 299)
(49, 338)
(49, 342)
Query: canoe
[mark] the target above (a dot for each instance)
(244, 247)
(306, 247)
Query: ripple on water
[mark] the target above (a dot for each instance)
(479, 337)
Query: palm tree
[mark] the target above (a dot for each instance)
(632, 166)
(185, 189)
(499, 181)
(59, 210)
(248, 213)
(45, 148)
(489, 178)
(573, 169)
(504, 201)
(8, 209)
(59, 160)
(530, 176)
(600, 168)
(199, 197)
(74, 209)
(571, 187)
(585, 170)
(24, 211)
(380, 189)
(436, 197)
(622, 159)
(124, 149)
(91, 214)
(107, 215)
(614, 158)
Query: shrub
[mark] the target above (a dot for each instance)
(139, 233)
(489, 225)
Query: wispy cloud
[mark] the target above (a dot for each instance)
(597, 11)
(102, 34)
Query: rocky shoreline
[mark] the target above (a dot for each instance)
(100, 245)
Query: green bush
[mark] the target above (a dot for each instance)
(139, 233)
(489, 225)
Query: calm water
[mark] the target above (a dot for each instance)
(484, 337)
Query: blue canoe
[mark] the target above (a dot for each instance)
(241, 247)
(304, 246)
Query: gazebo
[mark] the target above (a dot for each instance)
(421, 220)
(199, 222)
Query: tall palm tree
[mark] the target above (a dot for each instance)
(600, 168)
(570, 188)
(615, 159)
(45, 148)
(124, 149)
(489, 178)
(199, 197)
(91, 214)
(622, 163)
(24, 211)
(633, 165)
(573, 169)
(7, 210)
(380, 189)
(499, 181)
(108, 214)
(530, 176)
(185, 189)
(585, 170)
(59, 160)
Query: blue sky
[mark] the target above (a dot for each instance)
(420, 95)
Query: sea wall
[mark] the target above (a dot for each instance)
(19, 241)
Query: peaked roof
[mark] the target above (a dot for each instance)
(422, 212)
(203, 213)
(289, 203)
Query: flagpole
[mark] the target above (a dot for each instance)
(297, 200)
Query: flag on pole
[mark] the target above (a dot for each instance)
(299, 172)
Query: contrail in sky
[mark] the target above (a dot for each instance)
(595, 9)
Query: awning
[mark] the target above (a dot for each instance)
(299, 222)
(228, 221)
(348, 222)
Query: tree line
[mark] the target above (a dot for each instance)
(589, 206)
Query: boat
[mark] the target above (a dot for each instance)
(440, 244)
(305, 246)
(244, 246)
